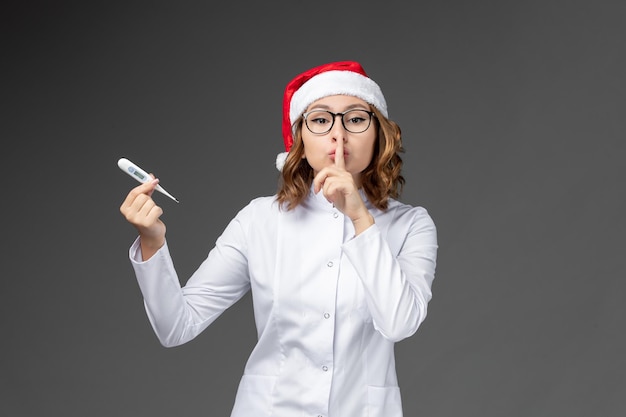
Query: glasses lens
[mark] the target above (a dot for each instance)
(319, 121)
(357, 121)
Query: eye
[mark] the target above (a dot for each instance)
(319, 117)
(319, 120)
(356, 120)
(356, 117)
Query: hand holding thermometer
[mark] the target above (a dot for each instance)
(140, 175)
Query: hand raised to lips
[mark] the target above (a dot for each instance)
(339, 188)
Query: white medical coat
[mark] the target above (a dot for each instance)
(328, 306)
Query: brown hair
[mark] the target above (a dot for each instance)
(381, 179)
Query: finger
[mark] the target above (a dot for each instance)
(145, 188)
(136, 198)
(339, 156)
(144, 212)
(155, 184)
(318, 181)
(330, 190)
(149, 212)
(131, 209)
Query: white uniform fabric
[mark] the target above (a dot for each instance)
(328, 306)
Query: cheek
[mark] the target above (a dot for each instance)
(367, 151)
(312, 148)
(308, 155)
(306, 151)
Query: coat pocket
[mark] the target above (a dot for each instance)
(254, 396)
(384, 402)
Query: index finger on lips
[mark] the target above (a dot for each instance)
(340, 161)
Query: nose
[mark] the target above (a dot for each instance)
(338, 132)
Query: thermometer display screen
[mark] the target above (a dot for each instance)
(136, 173)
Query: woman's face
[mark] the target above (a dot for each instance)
(357, 148)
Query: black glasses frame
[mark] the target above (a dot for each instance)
(334, 116)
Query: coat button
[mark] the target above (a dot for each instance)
(325, 368)
(326, 315)
(330, 264)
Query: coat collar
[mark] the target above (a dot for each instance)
(320, 201)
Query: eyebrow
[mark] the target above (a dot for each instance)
(358, 106)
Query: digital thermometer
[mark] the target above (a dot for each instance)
(140, 175)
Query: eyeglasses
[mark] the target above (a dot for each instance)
(320, 122)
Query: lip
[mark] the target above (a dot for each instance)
(332, 154)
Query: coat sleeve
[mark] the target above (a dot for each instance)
(397, 283)
(178, 314)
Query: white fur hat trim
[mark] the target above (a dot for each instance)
(332, 83)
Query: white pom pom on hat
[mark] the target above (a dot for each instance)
(280, 160)
(343, 77)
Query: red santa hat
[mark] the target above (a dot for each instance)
(344, 77)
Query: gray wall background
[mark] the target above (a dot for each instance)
(513, 122)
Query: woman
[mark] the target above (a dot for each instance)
(338, 268)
